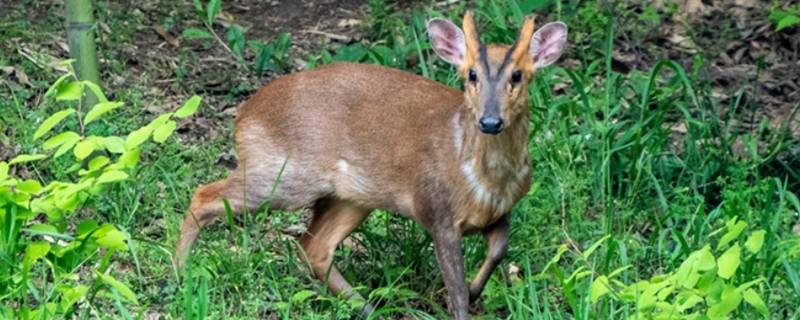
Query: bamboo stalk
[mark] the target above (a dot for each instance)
(81, 36)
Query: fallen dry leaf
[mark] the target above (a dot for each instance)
(167, 36)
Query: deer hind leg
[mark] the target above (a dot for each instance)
(207, 204)
(333, 221)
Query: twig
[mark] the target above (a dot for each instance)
(328, 34)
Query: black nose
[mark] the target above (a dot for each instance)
(490, 125)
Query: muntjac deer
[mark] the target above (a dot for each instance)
(346, 138)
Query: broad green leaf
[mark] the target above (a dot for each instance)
(729, 262)
(98, 162)
(35, 251)
(108, 236)
(195, 33)
(51, 122)
(599, 288)
(691, 301)
(130, 158)
(69, 91)
(730, 300)
(112, 176)
(57, 84)
(164, 131)
(83, 149)
(26, 158)
(734, 230)
(754, 299)
(66, 146)
(71, 295)
(705, 259)
(30, 186)
(123, 289)
(138, 137)
(3, 170)
(114, 144)
(159, 121)
(189, 107)
(85, 227)
(98, 92)
(60, 139)
(755, 241)
(99, 110)
(302, 295)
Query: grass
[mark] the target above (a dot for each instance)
(607, 165)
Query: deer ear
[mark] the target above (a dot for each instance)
(548, 43)
(447, 41)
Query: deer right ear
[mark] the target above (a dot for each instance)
(447, 41)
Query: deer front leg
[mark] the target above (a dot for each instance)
(448, 253)
(497, 241)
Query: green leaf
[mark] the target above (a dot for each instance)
(114, 144)
(599, 288)
(69, 91)
(212, 10)
(755, 241)
(67, 146)
(98, 162)
(787, 21)
(730, 300)
(195, 33)
(594, 247)
(57, 84)
(71, 295)
(236, 41)
(3, 170)
(108, 236)
(188, 108)
(51, 122)
(112, 176)
(130, 158)
(26, 158)
(734, 230)
(754, 299)
(302, 295)
(60, 139)
(729, 262)
(138, 137)
(99, 110)
(705, 259)
(98, 92)
(35, 251)
(83, 149)
(123, 289)
(164, 131)
(30, 186)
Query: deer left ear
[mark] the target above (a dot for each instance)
(548, 43)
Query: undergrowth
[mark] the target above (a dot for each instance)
(647, 201)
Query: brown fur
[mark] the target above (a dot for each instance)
(352, 138)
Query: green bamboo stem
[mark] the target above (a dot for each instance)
(81, 35)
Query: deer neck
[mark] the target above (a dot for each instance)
(493, 166)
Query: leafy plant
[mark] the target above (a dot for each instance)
(785, 18)
(272, 55)
(50, 265)
(709, 284)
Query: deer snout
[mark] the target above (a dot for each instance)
(490, 125)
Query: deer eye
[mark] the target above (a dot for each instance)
(516, 76)
(472, 76)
